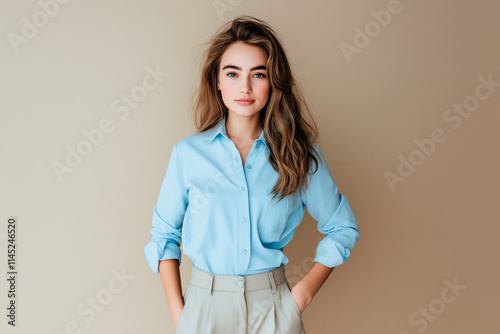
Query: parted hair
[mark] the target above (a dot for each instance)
(289, 127)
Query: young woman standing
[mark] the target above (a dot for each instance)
(235, 192)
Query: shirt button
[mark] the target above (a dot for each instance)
(243, 188)
(258, 145)
(249, 166)
(241, 283)
(244, 251)
(244, 219)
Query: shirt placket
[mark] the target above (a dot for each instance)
(243, 224)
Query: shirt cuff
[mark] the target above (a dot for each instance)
(331, 253)
(156, 251)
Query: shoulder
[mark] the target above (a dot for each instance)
(316, 148)
(320, 165)
(191, 143)
(316, 151)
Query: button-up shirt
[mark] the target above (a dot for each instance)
(223, 214)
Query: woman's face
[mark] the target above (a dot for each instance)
(243, 80)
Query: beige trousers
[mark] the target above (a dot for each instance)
(251, 304)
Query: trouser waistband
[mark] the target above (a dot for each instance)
(236, 283)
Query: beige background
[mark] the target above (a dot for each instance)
(440, 225)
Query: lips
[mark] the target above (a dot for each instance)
(245, 101)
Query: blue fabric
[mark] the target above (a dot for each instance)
(223, 215)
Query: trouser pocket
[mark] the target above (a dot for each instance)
(186, 299)
(291, 300)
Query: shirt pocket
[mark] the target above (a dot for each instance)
(274, 217)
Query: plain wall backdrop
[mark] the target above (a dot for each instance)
(406, 96)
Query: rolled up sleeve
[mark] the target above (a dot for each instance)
(334, 216)
(168, 215)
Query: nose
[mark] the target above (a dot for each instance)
(246, 87)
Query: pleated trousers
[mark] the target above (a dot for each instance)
(230, 304)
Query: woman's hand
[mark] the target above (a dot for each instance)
(304, 291)
(301, 295)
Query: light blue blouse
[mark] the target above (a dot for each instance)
(222, 213)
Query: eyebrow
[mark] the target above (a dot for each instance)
(261, 67)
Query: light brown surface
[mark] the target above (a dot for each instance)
(441, 224)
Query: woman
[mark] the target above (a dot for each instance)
(235, 192)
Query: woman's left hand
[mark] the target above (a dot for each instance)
(301, 295)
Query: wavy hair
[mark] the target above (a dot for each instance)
(287, 122)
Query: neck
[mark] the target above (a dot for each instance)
(243, 128)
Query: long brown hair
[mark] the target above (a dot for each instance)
(289, 135)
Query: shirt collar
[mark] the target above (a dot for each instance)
(221, 129)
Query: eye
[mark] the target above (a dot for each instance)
(260, 75)
(230, 74)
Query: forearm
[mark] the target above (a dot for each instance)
(317, 276)
(313, 280)
(171, 280)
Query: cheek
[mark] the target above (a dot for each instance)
(263, 90)
(225, 89)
